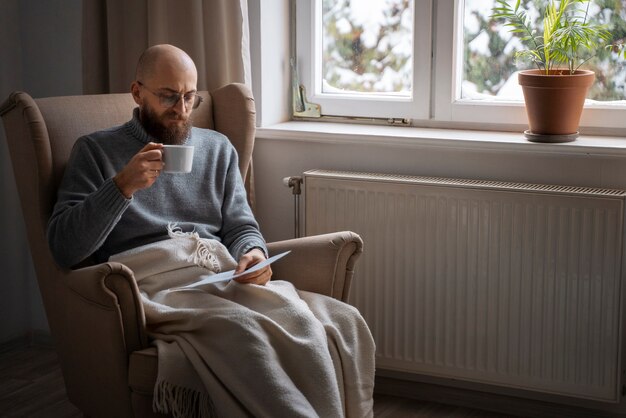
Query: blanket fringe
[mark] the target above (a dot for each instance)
(204, 254)
(182, 402)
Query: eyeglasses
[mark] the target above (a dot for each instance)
(192, 100)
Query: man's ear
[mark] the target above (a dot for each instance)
(134, 90)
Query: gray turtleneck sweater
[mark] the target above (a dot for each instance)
(92, 217)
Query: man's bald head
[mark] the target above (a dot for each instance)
(161, 58)
(166, 76)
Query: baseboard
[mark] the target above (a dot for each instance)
(492, 402)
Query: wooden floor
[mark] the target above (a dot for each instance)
(393, 407)
(31, 385)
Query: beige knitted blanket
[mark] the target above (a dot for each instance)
(235, 350)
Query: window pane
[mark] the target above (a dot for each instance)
(367, 46)
(490, 68)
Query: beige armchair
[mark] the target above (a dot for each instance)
(94, 312)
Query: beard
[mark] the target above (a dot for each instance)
(154, 126)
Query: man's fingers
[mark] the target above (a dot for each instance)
(151, 145)
(154, 165)
(151, 175)
(145, 165)
(141, 171)
(246, 261)
(242, 265)
(152, 155)
(151, 152)
(261, 276)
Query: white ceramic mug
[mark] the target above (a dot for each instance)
(177, 158)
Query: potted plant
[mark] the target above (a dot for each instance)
(554, 92)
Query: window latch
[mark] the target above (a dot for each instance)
(301, 106)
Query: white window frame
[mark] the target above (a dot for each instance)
(308, 39)
(448, 58)
(437, 81)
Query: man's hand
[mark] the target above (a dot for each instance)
(141, 171)
(248, 260)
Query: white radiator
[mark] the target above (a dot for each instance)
(516, 285)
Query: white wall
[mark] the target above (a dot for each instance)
(40, 53)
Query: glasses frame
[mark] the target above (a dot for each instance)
(197, 99)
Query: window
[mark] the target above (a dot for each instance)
(358, 57)
(440, 61)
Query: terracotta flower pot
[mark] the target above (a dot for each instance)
(554, 102)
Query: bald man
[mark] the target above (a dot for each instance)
(113, 197)
(267, 350)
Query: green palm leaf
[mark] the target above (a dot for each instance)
(567, 37)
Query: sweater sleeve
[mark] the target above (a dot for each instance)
(240, 231)
(88, 207)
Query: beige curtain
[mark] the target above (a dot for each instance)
(115, 32)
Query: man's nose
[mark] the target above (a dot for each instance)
(179, 106)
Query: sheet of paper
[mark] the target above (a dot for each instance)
(229, 275)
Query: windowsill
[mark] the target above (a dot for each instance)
(343, 133)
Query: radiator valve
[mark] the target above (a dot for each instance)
(294, 182)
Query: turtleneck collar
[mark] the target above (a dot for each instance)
(136, 130)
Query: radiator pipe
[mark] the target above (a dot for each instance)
(295, 182)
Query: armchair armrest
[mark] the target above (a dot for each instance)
(322, 263)
(99, 321)
(113, 286)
